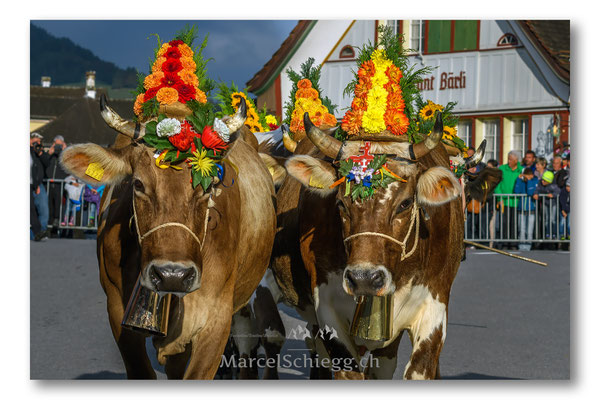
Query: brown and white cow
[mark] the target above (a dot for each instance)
(405, 241)
(212, 246)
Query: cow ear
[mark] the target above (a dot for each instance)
(437, 186)
(94, 164)
(316, 175)
(275, 167)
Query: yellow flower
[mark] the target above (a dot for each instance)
(201, 163)
(429, 110)
(449, 133)
(269, 119)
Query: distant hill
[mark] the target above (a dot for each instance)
(66, 63)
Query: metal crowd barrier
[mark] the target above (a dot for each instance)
(83, 216)
(498, 220)
(512, 218)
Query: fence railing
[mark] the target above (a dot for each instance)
(518, 218)
(504, 218)
(84, 215)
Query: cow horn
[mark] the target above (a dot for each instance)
(288, 142)
(423, 148)
(477, 157)
(115, 121)
(237, 121)
(328, 145)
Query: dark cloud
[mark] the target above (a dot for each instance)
(239, 48)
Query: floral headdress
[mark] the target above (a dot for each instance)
(387, 106)
(306, 97)
(230, 97)
(179, 122)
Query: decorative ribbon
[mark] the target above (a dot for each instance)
(159, 160)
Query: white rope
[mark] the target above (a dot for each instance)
(413, 217)
(177, 224)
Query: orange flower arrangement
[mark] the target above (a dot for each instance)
(307, 100)
(153, 79)
(167, 95)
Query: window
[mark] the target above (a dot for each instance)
(491, 129)
(417, 35)
(395, 24)
(464, 132)
(445, 36)
(519, 135)
(508, 40)
(347, 52)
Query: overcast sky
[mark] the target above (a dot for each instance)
(239, 48)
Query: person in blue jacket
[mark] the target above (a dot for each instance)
(526, 184)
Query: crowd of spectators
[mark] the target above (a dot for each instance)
(55, 196)
(531, 202)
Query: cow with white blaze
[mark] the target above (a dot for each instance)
(210, 247)
(405, 241)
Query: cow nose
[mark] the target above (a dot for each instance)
(173, 278)
(365, 281)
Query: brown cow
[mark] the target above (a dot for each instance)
(212, 246)
(405, 241)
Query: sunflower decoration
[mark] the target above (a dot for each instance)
(230, 97)
(306, 97)
(180, 123)
(426, 120)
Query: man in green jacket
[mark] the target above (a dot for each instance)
(507, 206)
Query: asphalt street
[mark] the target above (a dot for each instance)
(508, 319)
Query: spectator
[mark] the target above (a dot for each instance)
(54, 171)
(36, 232)
(565, 210)
(74, 190)
(507, 205)
(92, 196)
(561, 176)
(547, 187)
(526, 184)
(492, 163)
(39, 162)
(540, 167)
(529, 160)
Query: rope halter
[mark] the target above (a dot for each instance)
(414, 221)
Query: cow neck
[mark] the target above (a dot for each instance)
(414, 221)
(175, 224)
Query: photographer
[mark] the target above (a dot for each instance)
(39, 162)
(54, 171)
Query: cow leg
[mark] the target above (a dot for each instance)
(176, 364)
(208, 346)
(245, 337)
(381, 363)
(428, 337)
(270, 328)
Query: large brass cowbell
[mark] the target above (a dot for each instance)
(373, 318)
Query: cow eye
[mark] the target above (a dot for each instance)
(403, 206)
(138, 185)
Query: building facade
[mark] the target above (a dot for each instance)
(511, 79)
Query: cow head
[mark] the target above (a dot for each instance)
(170, 217)
(385, 237)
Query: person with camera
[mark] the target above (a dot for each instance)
(55, 172)
(39, 162)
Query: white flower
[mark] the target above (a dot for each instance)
(168, 127)
(221, 129)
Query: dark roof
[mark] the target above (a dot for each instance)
(553, 39)
(82, 122)
(48, 103)
(272, 66)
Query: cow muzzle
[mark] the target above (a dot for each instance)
(171, 277)
(367, 279)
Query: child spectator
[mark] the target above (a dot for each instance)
(74, 189)
(526, 184)
(551, 191)
(92, 196)
(565, 210)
